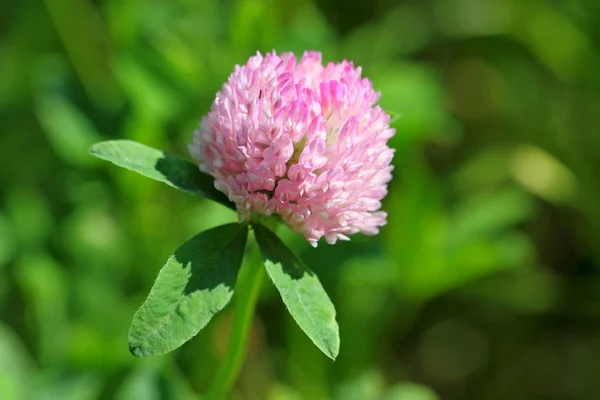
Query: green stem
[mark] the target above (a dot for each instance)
(247, 291)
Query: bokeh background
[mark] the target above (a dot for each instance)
(484, 284)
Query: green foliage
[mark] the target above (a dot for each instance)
(155, 164)
(69, 132)
(194, 285)
(370, 385)
(410, 391)
(15, 366)
(301, 292)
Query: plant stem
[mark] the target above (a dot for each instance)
(247, 291)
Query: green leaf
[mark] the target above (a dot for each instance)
(194, 285)
(155, 164)
(301, 292)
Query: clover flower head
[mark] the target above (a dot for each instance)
(301, 140)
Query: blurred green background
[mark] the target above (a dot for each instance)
(484, 284)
